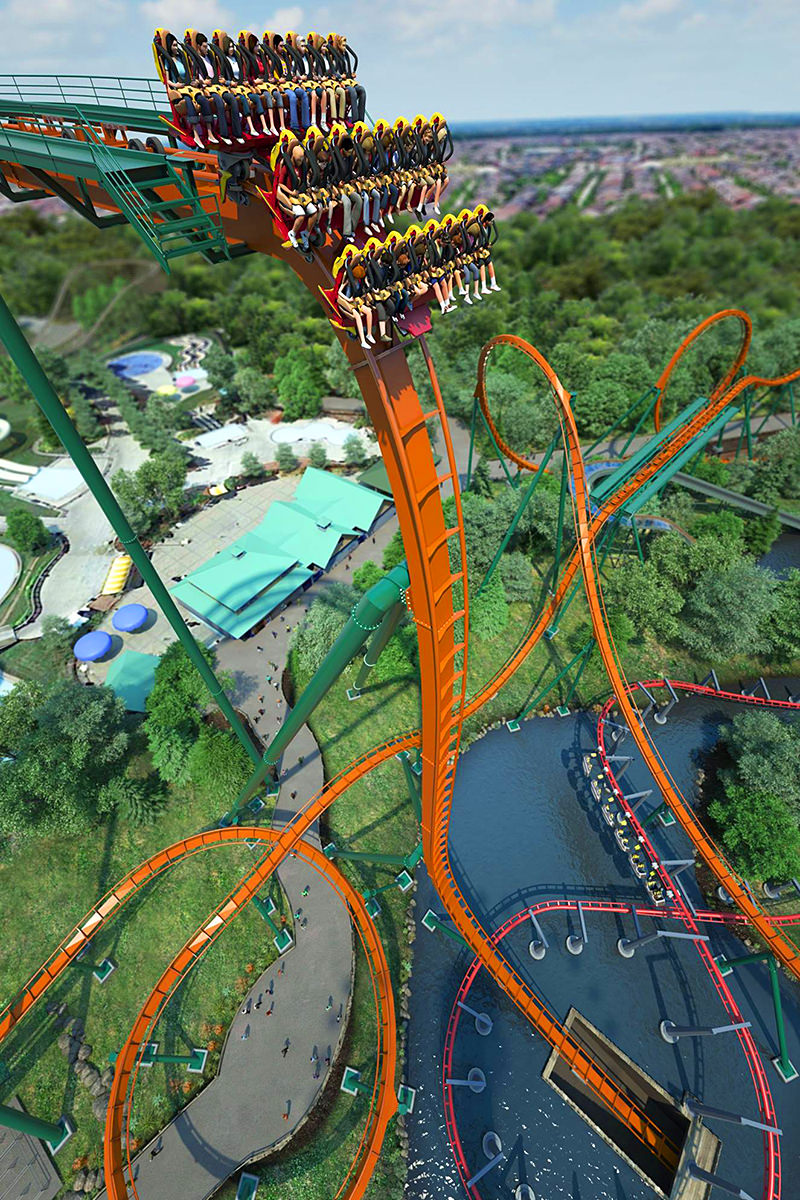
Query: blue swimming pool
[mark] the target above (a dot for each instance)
(142, 362)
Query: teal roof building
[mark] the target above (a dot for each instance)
(247, 581)
(132, 676)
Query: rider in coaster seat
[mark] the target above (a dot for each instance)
(232, 69)
(351, 293)
(303, 65)
(186, 89)
(337, 96)
(344, 154)
(260, 71)
(384, 154)
(291, 182)
(296, 93)
(225, 103)
(344, 61)
(486, 237)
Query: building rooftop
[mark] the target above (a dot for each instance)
(131, 676)
(256, 573)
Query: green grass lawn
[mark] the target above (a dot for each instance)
(47, 888)
(17, 606)
(18, 446)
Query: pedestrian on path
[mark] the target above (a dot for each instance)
(274, 634)
(285, 1049)
(305, 890)
(294, 797)
(339, 1014)
(260, 699)
(314, 1056)
(329, 1005)
(328, 1058)
(297, 914)
(246, 1033)
(157, 1149)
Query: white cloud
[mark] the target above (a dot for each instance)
(648, 10)
(179, 15)
(426, 23)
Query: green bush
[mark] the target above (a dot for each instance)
(318, 455)
(354, 453)
(759, 832)
(285, 457)
(26, 531)
(313, 637)
(365, 575)
(489, 610)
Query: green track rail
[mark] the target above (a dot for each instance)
(137, 105)
(131, 178)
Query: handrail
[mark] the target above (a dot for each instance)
(39, 90)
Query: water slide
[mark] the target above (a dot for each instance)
(400, 424)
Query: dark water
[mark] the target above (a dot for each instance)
(783, 555)
(525, 829)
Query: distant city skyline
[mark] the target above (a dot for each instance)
(471, 59)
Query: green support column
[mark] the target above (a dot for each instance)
(607, 538)
(636, 539)
(378, 860)
(512, 479)
(375, 648)
(22, 1122)
(365, 618)
(471, 443)
(652, 395)
(783, 1065)
(562, 503)
(45, 396)
(412, 780)
(785, 1068)
(584, 653)
(523, 504)
(662, 813)
(434, 925)
(563, 710)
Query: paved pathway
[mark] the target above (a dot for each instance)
(240, 1114)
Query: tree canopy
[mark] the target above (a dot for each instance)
(66, 742)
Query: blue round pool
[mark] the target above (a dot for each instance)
(133, 366)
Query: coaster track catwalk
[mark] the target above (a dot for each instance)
(442, 622)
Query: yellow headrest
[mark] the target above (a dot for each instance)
(431, 226)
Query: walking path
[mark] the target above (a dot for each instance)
(239, 1116)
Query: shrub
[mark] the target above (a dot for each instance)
(366, 575)
(318, 455)
(489, 610)
(285, 458)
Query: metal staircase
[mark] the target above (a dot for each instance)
(185, 222)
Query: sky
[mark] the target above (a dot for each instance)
(470, 59)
